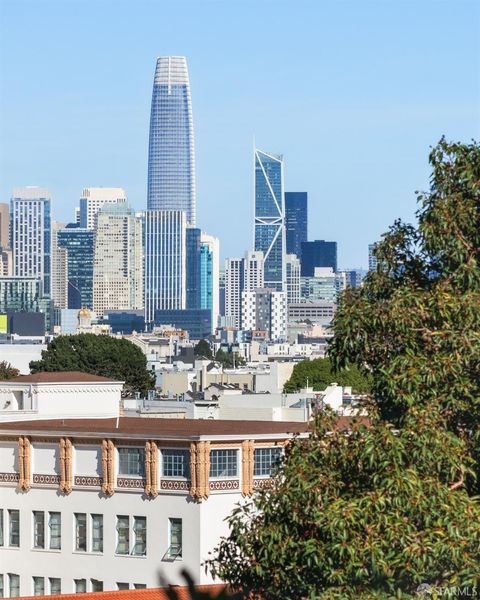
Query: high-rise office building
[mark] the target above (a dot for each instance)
(293, 278)
(118, 260)
(79, 244)
(171, 155)
(270, 218)
(165, 261)
(234, 273)
(265, 310)
(296, 221)
(4, 226)
(318, 254)
(209, 276)
(6, 262)
(253, 271)
(25, 294)
(59, 290)
(192, 267)
(30, 229)
(93, 199)
(323, 285)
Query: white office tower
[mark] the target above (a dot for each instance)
(265, 311)
(253, 271)
(118, 260)
(165, 261)
(292, 263)
(210, 275)
(233, 289)
(93, 199)
(31, 234)
(59, 269)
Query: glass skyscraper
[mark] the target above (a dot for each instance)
(79, 244)
(318, 253)
(270, 218)
(296, 221)
(171, 155)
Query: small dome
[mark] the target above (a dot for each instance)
(84, 312)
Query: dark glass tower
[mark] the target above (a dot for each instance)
(79, 244)
(269, 218)
(318, 254)
(171, 157)
(296, 221)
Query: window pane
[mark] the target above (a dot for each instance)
(131, 461)
(39, 586)
(2, 589)
(80, 532)
(140, 530)
(176, 463)
(266, 460)
(97, 586)
(80, 586)
(55, 585)
(55, 526)
(14, 529)
(1, 530)
(139, 586)
(97, 533)
(38, 529)
(175, 545)
(123, 535)
(14, 585)
(122, 586)
(223, 463)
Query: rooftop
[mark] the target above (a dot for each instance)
(60, 377)
(182, 593)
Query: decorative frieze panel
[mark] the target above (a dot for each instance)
(85, 481)
(44, 479)
(9, 477)
(223, 485)
(262, 483)
(175, 485)
(131, 483)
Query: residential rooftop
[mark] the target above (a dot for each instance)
(61, 377)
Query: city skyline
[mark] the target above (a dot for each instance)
(354, 125)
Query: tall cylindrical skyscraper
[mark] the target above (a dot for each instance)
(171, 153)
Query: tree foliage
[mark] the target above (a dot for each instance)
(7, 371)
(100, 355)
(229, 359)
(202, 348)
(318, 373)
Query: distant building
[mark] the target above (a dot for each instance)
(118, 260)
(372, 259)
(59, 290)
(318, 253)
(165, 261)
(125, 321)
(296, 221)
(25, 295)
(192, 267)
(253, 269)
(322, 286)
(197, 322)
(321, 312)
(234, 285)
(270, 218)
(79, 244)
(209, 276)
(351, 277)
(293, 278)
(265, 310)
(6, 262)
(93, 199)
(30, 227)
(4, 226)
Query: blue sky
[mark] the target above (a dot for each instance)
(353, 94)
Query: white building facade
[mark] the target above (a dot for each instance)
(93, 199)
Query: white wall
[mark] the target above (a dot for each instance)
(20, 355)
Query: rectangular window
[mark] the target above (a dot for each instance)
(223, 463)
(176, 463)
(123, 535)
(265, 461)
(97, 586)
(14, 529)
(38, 529)
(13, 585)
(131, 461)
(80, 532)
(122, 586)
(55, 585)
(55, 527)
(2, 589)
(39, 586)
(140, 531)
(1, 527)
(80, 586)
(97, 533)
(175, 538)
(139, 586)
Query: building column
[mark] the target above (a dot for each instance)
(151, 468)
(247, 467)
(24, 463)
(108, 467)
(66, 475)
(200, 470)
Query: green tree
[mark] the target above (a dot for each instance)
(415, 323)
(372, 514)
(203, 349)
(7, 371)
(229, 359)
(318, 373)
(100, 355)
